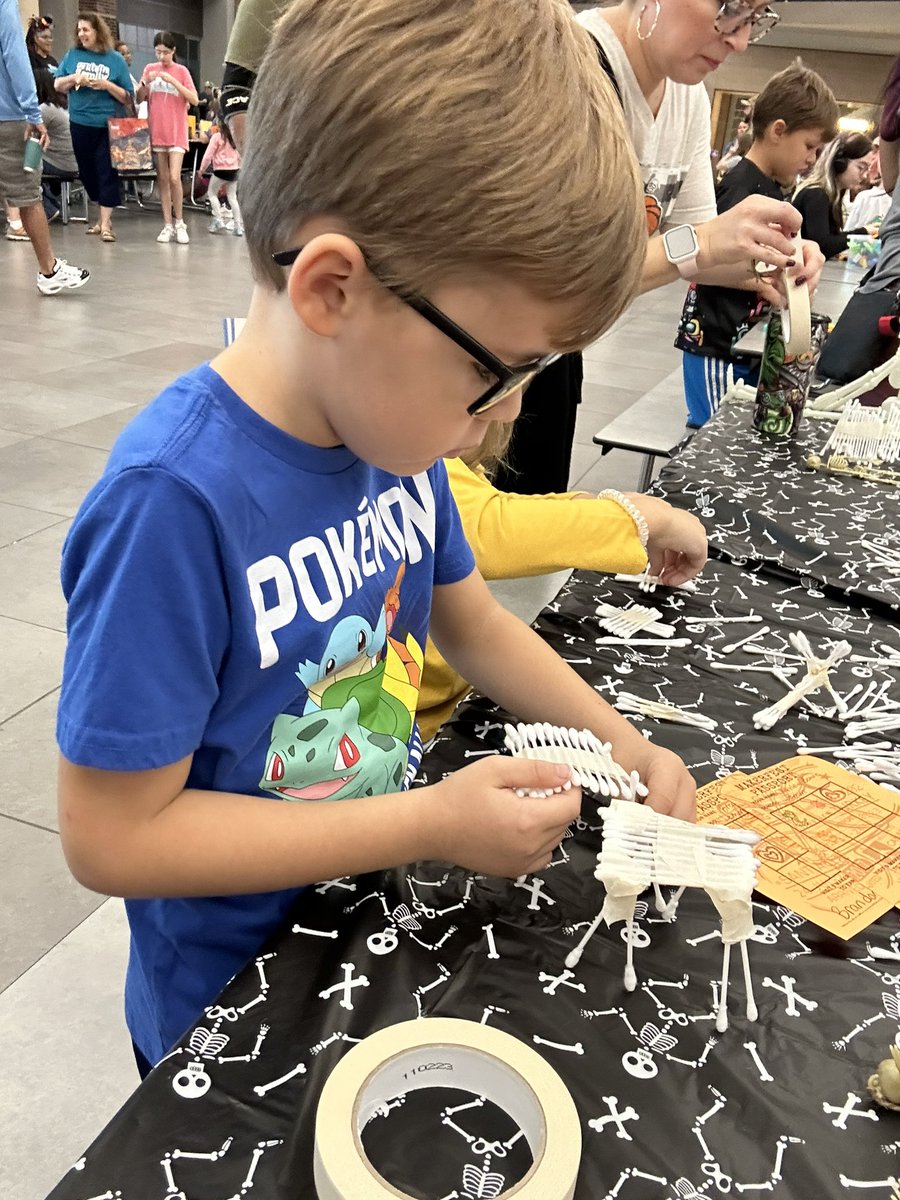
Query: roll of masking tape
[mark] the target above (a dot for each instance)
(796, 319)
(447, 1053)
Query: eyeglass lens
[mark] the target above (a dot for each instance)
(734, 16)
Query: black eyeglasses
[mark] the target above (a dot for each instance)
(735, 15)
(506, 379)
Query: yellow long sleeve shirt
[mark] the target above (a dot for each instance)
(513, 536)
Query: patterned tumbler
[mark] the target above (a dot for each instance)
(784, 380)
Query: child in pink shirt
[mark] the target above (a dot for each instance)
(169, 91)
(222, 155)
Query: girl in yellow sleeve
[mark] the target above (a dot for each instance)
(513, 536)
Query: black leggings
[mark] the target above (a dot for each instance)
(540, 453)
(101, 181)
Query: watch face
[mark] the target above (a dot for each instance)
(681, 242)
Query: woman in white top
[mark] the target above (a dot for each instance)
(658, 52)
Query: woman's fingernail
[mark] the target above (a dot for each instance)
(563, 772)
(800, 280)
(791, 262)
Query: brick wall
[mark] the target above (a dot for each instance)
(109, 10)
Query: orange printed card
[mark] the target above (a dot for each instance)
(831, 839)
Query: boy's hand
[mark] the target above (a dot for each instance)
(677, 547)
(479, 822)
(672, 790)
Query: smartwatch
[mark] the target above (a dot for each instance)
(681, 247)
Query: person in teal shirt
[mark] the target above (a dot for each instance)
(96, 78)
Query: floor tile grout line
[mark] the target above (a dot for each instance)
(31, 824)
(50, 949)
(34, 624)
(37, 700)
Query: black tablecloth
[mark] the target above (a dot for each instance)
(760, 503)
(775, 1107)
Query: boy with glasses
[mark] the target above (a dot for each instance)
(250, 583)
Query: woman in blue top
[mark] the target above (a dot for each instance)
(98, 84)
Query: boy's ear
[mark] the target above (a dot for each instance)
(325, 282)
(776, 130)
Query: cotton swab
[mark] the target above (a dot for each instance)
(660, 711)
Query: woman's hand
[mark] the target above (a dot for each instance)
(677, 547)
(757, 229)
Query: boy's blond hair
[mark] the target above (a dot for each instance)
(801, 98)
(450, 139)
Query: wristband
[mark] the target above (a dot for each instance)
(640, 523)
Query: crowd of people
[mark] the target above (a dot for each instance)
(66, 107)
(438, 221)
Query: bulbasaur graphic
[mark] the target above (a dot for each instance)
(327, 755)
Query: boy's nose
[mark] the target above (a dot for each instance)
(508, 408)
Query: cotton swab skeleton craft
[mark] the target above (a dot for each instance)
(643, 847)
(816, 677)
(865, 442)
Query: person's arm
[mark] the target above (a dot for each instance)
(247, 44)
(143, 833)
(889, 155)
(207, 158)
(511, 664)
(14, 54)
(515, 536)
(756, 229)
(187, 91)
(815, 208)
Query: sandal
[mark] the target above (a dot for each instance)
(93, 229)
(107, 235)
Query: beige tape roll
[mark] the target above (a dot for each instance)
(796, 319)
(448, 1053)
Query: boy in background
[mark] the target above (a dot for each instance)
(793, 117)
(251, 581)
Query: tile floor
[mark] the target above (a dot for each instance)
(75, 369)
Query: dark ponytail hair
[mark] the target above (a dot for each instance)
(164, 38)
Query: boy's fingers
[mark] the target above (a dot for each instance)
(531, 774)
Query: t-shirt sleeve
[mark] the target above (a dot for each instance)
(696, 202)
(513, 536)
(148, 624)
(453, 559)
(184, 77)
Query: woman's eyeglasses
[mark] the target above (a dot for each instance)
(506, 379)
(735, 15)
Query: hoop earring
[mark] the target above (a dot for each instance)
(645, 37)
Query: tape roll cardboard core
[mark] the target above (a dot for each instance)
(454, 1054)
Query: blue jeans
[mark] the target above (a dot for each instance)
(50, 188)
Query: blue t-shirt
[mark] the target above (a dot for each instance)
(86, 106)
(261, 604)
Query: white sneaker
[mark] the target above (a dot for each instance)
(215, 225)
(64, 276)
(238, 230)
(182, 237)
(167, 234)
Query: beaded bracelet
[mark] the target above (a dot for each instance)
(640, 523)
